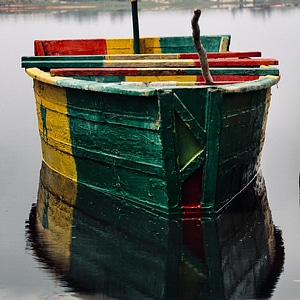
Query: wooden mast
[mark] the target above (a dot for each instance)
(135, 22)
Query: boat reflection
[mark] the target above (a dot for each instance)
(104, 247)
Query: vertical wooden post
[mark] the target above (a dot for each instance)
(169, 148)
(213, 124)
(135, 22)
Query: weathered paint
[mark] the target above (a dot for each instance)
(177, 75)
(119, 46)
(117, 139)
(119, 56)
(98, 62)
(166, 75)
(166, 147)
(148, 45)
(53, 123)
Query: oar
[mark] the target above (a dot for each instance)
(135, 22)
(161, 71)
(98, 62)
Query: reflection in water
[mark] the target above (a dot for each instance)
(104, 247)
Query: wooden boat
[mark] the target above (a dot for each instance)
(109, 248)
(146, 127)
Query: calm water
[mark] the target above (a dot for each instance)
(275, 31)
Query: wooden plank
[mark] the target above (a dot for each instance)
(213, 127)
(175, 63)
(169, 149)
(148, 45)
(68, 58)
(161, 71)
(246, 54)
(68, 47)
(39, 48)
(227, 54)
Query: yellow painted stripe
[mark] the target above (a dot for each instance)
(178, 78)
(224, 45)
(51, 105)
(150, 45)
(119, 46)
(40, 75)
(149, 64)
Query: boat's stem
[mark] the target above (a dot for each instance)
(199, 48)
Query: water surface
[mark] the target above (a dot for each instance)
(272, 30)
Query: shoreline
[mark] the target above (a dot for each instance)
(46, 7)
(144, 6)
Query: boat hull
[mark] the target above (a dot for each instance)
(170, 149)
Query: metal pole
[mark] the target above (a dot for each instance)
(135, 21)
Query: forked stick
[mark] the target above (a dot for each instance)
(199, 48)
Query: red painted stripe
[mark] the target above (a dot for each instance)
(70, 47)
(142, 72)
(39, 48)
(218, 79)
(244, 62)
(223, 79)
(228, 54)
(236, 62)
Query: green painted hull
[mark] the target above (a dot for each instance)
(108, 247)
(166, 149)
(178, 149)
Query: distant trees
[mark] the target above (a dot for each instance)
(14, 2)
(24, 2)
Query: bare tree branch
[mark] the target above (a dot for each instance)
(199, 48)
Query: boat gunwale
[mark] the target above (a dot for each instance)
(151, 90)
